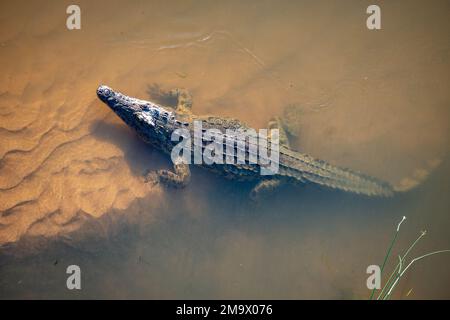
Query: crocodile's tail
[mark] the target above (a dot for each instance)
(307, 168)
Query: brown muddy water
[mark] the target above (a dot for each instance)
(71, 187)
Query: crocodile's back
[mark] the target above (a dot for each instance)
(299, 167)
(305, 168)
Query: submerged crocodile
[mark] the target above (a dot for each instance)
(155, 124)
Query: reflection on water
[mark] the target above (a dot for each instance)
(71, 189)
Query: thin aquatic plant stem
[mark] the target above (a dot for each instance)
(388, 283)
(388, 253)
(409, 265)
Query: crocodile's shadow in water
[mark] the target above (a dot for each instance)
(138, 155)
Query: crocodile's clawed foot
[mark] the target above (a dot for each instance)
(151, 177)
(178, 178)
(177, 98)
(291, 118)
(276, 123)
(184, 99)
(161, 96)
(262, 188)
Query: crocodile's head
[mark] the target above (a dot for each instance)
(138, 114)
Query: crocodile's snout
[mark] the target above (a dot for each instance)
(125, 107)
(104, 92)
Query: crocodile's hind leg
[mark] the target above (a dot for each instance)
(292, 117)
(264, 187)
(179, 98)
(276, 123)
(178, 178)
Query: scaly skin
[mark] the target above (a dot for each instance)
(155, 124)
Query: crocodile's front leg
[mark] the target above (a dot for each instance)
(184, 99)
(178, 178)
